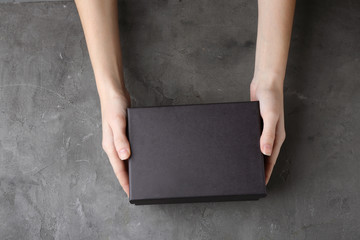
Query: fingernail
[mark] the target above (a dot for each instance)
(267, 149)
(123, 154)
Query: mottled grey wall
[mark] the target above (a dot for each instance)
(55, 180)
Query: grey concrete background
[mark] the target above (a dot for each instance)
(55, 180)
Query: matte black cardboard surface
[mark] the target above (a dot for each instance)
(195, 153)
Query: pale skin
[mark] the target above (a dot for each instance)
(99, 20)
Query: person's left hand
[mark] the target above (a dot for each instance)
(270, 97)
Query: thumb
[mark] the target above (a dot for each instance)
(121, 142)
(268, 134)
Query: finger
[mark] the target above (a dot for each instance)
(271, 160)
(118, 166)
(268, 135)
(121, 142)
(119, 170)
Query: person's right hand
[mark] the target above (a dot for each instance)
(114, 139)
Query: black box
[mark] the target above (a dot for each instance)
(195, 153)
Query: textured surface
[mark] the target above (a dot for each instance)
(55, 180)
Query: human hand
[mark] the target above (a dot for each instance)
(270, 97)
(114, 139)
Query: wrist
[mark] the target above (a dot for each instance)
(268, 80)
(110, 87)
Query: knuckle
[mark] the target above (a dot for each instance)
(269, 135)
(253, 86)
(106, 146)
(120, 118)
(120, 143)
(282, 136)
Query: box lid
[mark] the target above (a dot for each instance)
(195, 153)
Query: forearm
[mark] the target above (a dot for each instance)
(275, 18)
(99, 19)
